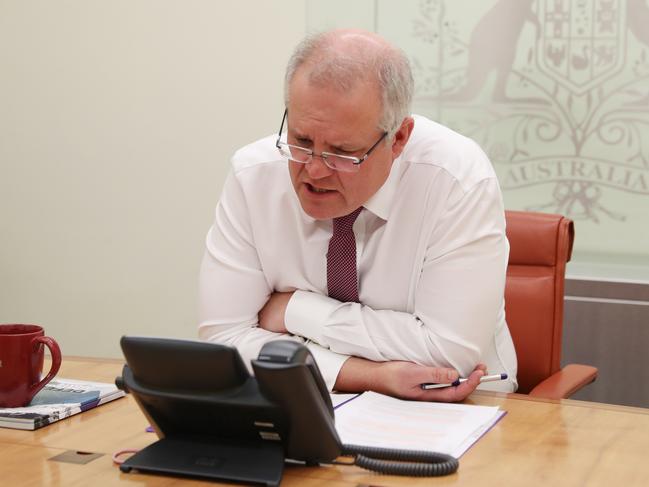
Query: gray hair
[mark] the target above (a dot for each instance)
(388, 67)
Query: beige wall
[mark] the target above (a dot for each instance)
(117, 120)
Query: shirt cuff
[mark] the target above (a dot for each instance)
(307, 312)
(328, 362)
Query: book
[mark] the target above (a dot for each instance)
(59, 399)
(376, 420)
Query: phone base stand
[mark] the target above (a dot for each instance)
(216, 421)
(250, 462)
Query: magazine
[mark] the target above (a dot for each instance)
(59, 399)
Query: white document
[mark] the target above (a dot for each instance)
(376, 420)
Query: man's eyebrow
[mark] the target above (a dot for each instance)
(345, 146)
(297, 134)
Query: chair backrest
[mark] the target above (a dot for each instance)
(540, 246)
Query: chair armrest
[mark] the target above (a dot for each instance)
(566, 382)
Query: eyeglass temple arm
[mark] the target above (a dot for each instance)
(281, 127)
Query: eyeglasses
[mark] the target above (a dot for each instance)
(333, 161)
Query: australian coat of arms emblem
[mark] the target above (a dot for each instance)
(555, 91)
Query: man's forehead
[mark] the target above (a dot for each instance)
(338, 75)
(321, 104)
(312, 78)
(327, 131)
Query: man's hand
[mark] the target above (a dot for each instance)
(271, 316)
(404, 379)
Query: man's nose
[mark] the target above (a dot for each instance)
(317, 169)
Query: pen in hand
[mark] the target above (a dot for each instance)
(484, 378)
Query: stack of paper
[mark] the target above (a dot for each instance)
(372, 419)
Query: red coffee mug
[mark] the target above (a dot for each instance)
(21, 363)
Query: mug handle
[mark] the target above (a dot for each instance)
(55, 351)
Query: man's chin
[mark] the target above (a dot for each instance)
(320, 212)
(325, 213)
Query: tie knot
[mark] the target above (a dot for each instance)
(344, 224)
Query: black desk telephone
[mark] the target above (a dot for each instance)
(215, 420)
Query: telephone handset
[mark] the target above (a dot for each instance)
(215, 420)
(288, 375)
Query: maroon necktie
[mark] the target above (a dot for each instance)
(342, 282)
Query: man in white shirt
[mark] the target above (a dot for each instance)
(431, 251)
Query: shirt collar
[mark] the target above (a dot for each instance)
(380, 203)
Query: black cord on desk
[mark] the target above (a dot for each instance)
(402, 462)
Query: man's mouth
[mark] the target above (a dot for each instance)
(314, 189)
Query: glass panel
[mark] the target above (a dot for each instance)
(557, 94)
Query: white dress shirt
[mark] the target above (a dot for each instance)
(431, 255)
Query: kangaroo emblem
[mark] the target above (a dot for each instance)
(493, 47)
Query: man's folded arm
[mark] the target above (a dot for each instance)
(233, 288)
(248, 340)
(458, 299)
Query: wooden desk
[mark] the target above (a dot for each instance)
(555, 443)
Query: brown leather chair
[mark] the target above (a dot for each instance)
(540, 246)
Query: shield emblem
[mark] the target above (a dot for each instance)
(583, 41)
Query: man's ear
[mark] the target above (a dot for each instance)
(401, 136)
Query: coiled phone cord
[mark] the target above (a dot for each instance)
(402, 462)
